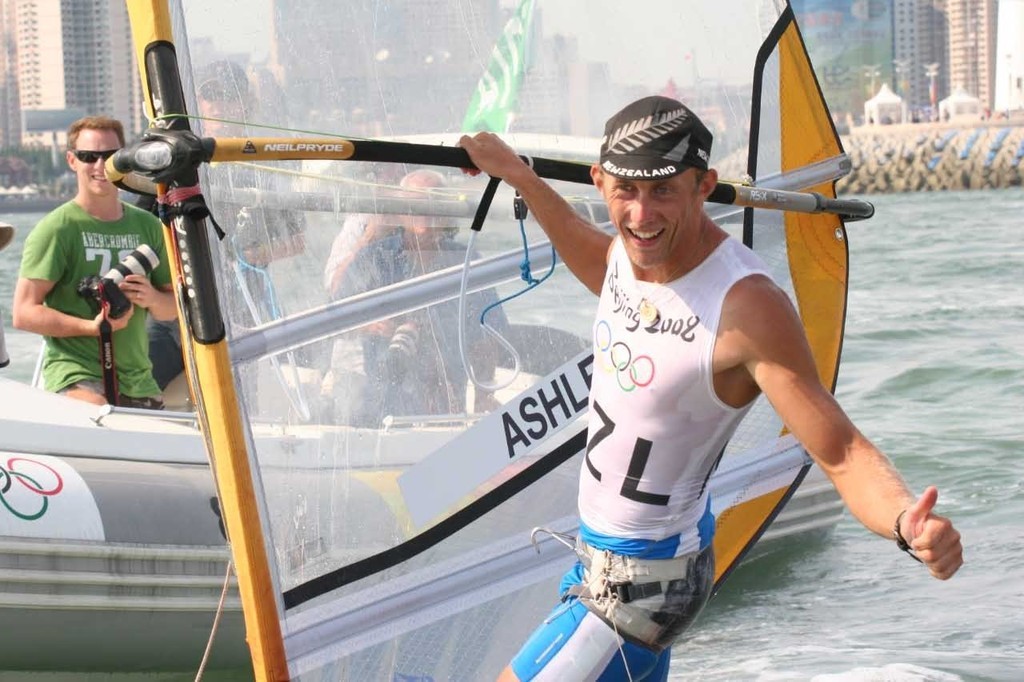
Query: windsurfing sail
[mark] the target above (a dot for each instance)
(379, 504)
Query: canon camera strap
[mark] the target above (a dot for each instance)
(107, 361)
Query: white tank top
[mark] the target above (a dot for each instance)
(656, 426)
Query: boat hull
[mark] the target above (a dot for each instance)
(131, 574)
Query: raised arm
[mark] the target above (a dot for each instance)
(763, 331)
(582, 246)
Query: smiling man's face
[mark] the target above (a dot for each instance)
(92, 177)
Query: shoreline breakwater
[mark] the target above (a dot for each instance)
(924, 157)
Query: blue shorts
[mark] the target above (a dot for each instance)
(574, 643)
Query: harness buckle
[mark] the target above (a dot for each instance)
(621, 591)
(627, 592)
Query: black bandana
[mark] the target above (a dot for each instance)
(652, 138)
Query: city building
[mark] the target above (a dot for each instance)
(10, 106)
(71, 58)
(1009, 85)
(972, 47)
(925, 49)
(851, 46)
(556, 69)
(920, 40)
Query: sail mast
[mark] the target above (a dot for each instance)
(208, 366)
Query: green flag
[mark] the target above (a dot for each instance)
(494, 101)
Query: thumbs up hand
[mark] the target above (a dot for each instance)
(932, 537)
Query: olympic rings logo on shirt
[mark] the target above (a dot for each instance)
(30, 476)
(631, 372)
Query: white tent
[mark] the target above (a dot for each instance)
(960, 105)
(885, 107)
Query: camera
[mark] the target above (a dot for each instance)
(400, 356)
(141, 261)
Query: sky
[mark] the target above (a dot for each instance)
(721, 32)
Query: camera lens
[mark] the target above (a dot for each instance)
(401, 350)
(141, 261)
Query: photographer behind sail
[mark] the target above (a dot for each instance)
(410, 365)
(68, 291)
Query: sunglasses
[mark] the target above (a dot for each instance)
(89, 157)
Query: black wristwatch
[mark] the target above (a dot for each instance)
(901, 541)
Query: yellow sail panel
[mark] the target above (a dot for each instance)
(816, 242)
(820, 270)
(808, 134)
(740, 525)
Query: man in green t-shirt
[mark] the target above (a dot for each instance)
(88, 236)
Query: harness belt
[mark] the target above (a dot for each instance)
(627, 592)
(649, 602)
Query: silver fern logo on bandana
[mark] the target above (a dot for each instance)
(653, 138)
(640, 132)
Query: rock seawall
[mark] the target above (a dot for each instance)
(934, 156)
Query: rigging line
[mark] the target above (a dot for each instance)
(606, 593)
(296, 397)
(320, 177)
(216, 623)
(263, 126)
(269, 169)
(532, 283)
(502, 341)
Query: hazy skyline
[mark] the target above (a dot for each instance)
(714, 33)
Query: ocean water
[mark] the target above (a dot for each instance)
(933, 372)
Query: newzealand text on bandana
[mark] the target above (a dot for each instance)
(664, 171)
(624, 306)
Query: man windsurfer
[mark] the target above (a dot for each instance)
(646, 565)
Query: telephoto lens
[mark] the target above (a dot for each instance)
(401, 353)
(141, 261)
